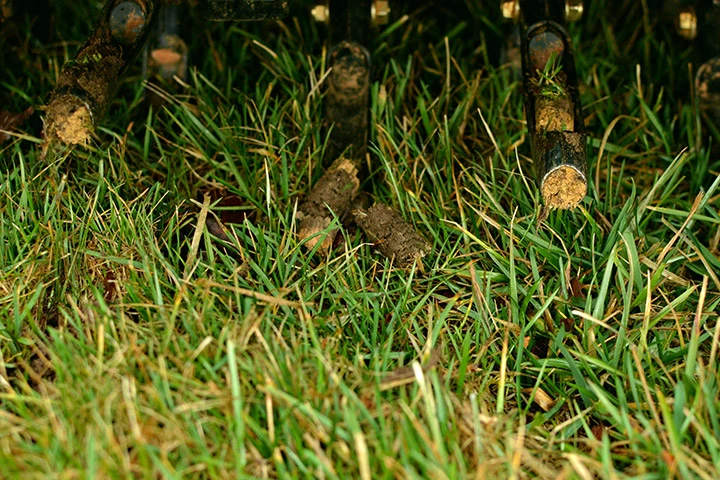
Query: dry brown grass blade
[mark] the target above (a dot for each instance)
(206, 283)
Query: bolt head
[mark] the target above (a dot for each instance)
(510, 9)
(687, 23)
(573, 10)
(380, 12)
(321, 13)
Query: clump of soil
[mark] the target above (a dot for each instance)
(393, 236)
(333, 194)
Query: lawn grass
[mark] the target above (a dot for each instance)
(564, 344)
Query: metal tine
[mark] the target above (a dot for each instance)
(552, 103)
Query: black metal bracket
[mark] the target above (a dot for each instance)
(235, 10)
